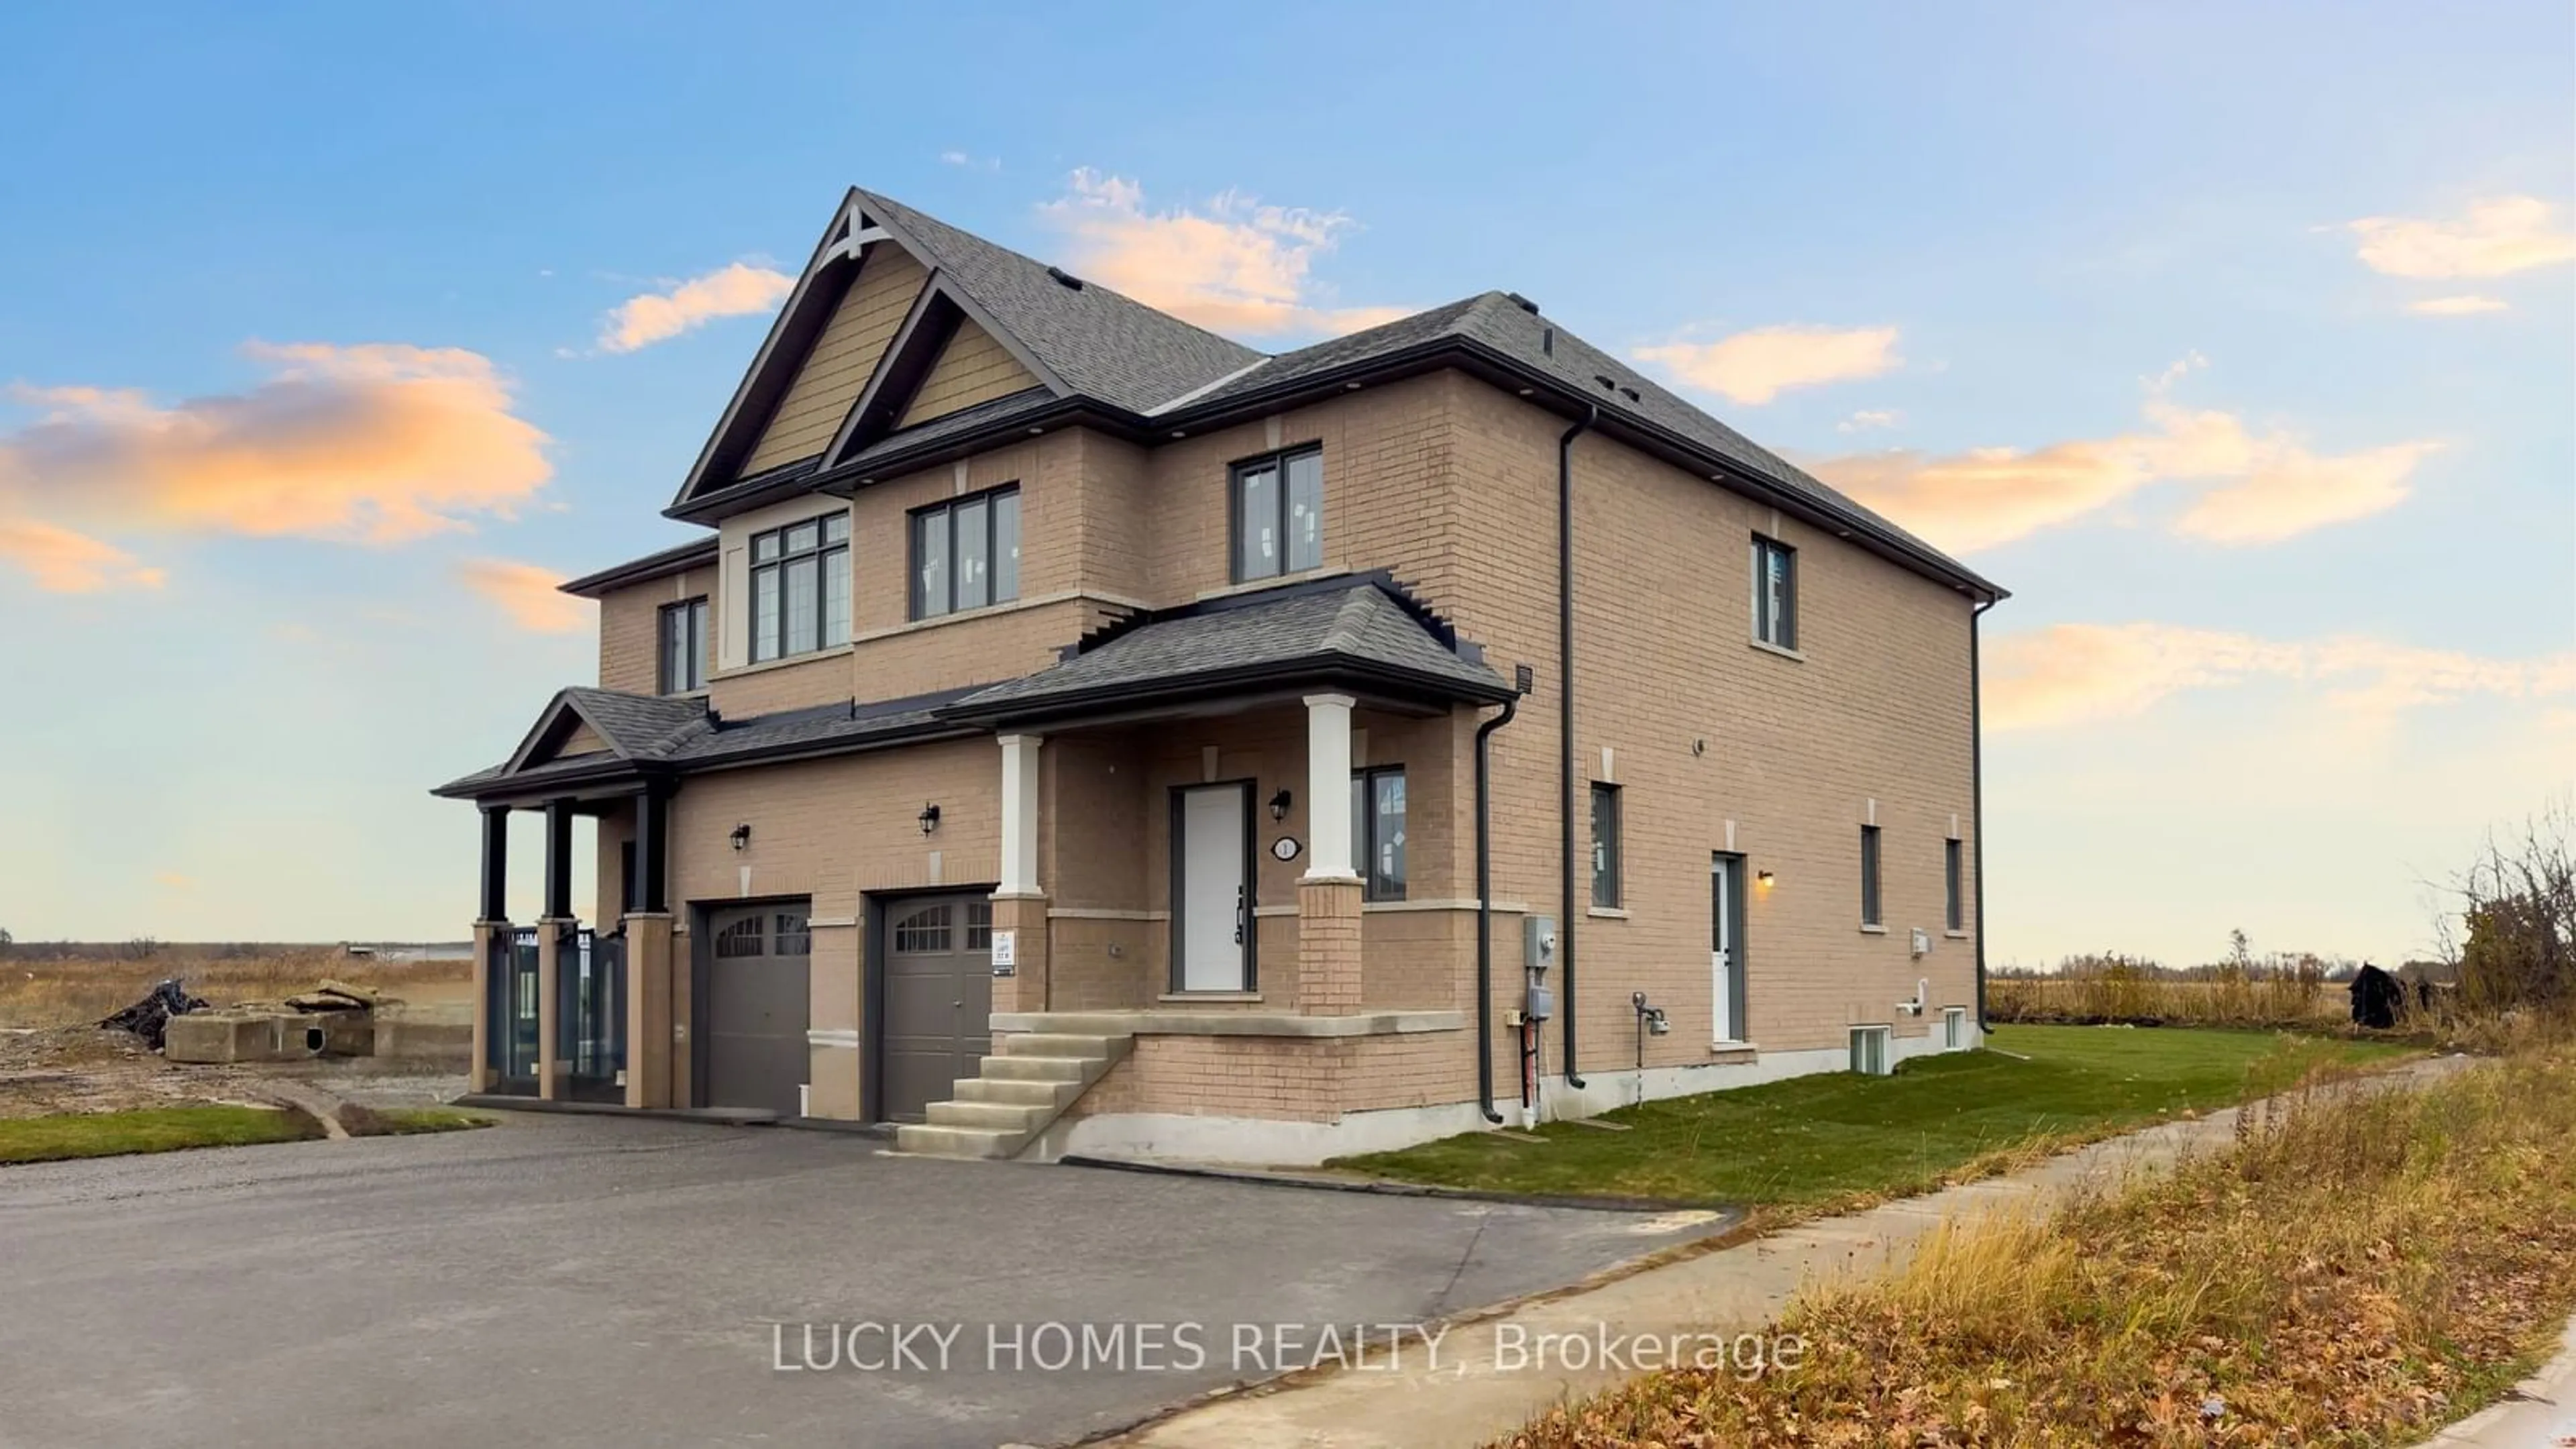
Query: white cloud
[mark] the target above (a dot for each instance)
(1867, 419)
(2259, 488)
(2071, 674)
(2498, 236)
(64, 562)
(1233, 266)
(2466, 306)
(969, 160)
(1756, 366)
(530, 595)
(737, 290)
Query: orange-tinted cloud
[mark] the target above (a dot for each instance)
(70, 563)
(2466, 306)
(2498, 236)
(732, 291)
(377, 443)
(1237, 266)
(2259, 488)
(2079, 673)
(528, 594)
(1757, 366)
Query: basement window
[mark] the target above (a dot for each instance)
(1869, 1050)
(1954, 1028)
(1278, 508)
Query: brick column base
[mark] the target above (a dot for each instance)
(648, 1009)
(1328, 947)
(1025, 917)
(489, 937)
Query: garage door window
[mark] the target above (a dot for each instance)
(742, 938)
(926, 929)
(794, 939)
(979, 925)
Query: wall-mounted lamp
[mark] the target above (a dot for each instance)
(1280, 802)
(1765, 879)
(929, 818)
(742, 837)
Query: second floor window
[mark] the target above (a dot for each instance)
(966, 553)
(684, 646)
(1775, 593)
(1955, 914)
(1870, 914)
(1279, 514)
(800, 587)
(1377, 830)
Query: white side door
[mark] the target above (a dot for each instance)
(1723, 936)
(1214, 899)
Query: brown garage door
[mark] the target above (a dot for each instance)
(756, 996)
(937, 1024)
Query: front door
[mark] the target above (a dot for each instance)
(1212, 887)
(757, 995)
(938, 1019)
(1726, 943)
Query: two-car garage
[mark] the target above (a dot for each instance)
(927, 1002)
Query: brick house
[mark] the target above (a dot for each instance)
(1073, 731)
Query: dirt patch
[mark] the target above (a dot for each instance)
(84, 1069)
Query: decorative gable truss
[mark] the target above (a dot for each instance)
(875, 337)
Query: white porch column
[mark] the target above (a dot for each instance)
(1328, 787)
(1020, 815)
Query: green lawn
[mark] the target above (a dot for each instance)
(403, 1121)
(154, 1129)
(1834, 1136)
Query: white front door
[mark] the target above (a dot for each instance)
(1213, 898)
(1725, 941)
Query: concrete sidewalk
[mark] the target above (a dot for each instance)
(1483, 1385)
(2541, 1414)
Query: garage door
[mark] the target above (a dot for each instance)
(757, 992)
(937, 1026)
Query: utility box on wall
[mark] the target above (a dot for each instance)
(1538, 953)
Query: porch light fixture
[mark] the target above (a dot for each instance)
(742, 837)
(1280, 802)
(1764, 879)
(929, 818)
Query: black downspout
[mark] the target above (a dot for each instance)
(1485, 910)
(1565, 727)
(1977, 799)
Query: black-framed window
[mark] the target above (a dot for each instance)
(1870, 915)
(1377, 830)
(966, 553)
(1605, 846)
(1278, 507)
(683, 636)
(1775, 592)
(800, 587)
(1953, 859)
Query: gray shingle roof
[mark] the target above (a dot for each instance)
(1097, 342)
(637, 726)
(1359, 628)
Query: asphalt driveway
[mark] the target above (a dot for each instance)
(643, 1283)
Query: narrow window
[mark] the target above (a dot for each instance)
(684, 646)
(1954, 1028)
(800, 587)
(1957, 910)
(1377, 830)
(966, 553)
(1775, 593)
(1605, 846)
(1869, 912)
(1278, 507)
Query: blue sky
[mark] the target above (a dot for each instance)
(2121, 300)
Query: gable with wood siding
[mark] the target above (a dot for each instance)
(844, 356)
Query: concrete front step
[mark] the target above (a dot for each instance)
(932, 1140)
(1019, 1090)
(1047, 1094)
(1006, 1116)
(1057, 1044)
(1035, 1069)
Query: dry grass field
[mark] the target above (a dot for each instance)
(78, 990)
(2269, 1000)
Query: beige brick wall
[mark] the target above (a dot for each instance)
(629, 624)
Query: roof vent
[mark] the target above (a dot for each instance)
(1064, 278)
(1603, 378)
(1629, 393)
(1524, 303)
